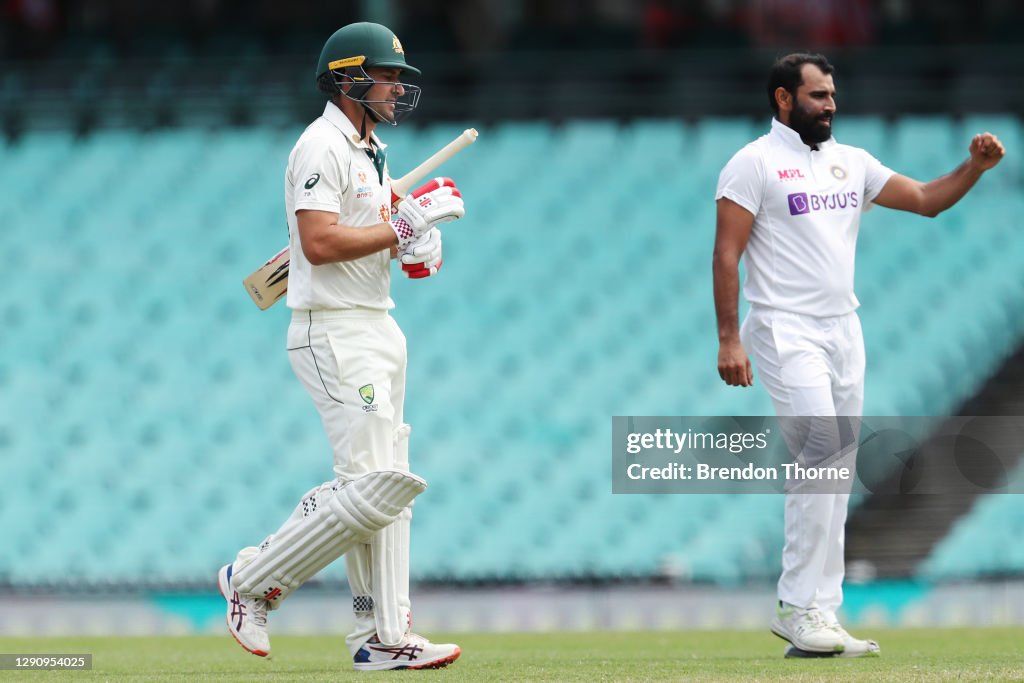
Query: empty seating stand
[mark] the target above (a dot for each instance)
(144, 396)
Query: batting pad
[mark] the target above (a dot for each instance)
(389, 555)
(328, 521)
(389, 563)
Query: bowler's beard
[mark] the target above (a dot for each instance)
(810, 127)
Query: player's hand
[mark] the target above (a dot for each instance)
(422, 258)
(430, 205)
(734, 366)
(986, 151)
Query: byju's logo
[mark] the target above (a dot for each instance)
(801, 202)
(798, 204)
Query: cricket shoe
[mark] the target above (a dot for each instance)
(247, 616)
(806, 629)
(414, 652)
(855, 647)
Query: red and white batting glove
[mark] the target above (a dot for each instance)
(422, 258)
(429, 205)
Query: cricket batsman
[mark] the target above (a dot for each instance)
(350, 356)
(790, 204)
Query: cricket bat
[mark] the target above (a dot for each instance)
(269, 283)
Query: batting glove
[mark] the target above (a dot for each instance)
(430, 205)
(422, 258)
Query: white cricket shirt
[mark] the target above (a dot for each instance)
(329, 170)
(807, 207)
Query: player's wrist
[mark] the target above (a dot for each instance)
(403, 231)
(975, 166)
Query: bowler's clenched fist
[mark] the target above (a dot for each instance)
(986, 151)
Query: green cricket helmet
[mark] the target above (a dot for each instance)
(353, 49)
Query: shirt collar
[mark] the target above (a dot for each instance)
(792, 139)
(337, 118)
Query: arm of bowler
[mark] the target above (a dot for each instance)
(732, 231)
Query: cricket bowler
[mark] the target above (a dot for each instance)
(790, 204)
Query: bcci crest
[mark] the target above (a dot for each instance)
(366, 393)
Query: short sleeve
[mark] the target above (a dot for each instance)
(743, 181)
(320, 174)
(876, 175)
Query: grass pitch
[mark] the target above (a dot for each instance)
(907, 655)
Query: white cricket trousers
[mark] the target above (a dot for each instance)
(352, 363)
(811, 367)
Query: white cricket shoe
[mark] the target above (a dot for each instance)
(806, 629)
(414, 652)
(855, 647)
(247, 616)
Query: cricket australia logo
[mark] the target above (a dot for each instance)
(366, 393)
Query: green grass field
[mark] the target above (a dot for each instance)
(908, 655)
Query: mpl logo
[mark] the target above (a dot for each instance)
(790, 174)
(801, 202)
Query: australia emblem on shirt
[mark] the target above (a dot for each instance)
(366, 393)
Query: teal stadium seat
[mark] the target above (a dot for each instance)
(983, 543)
(867, 132)
(925, 146)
